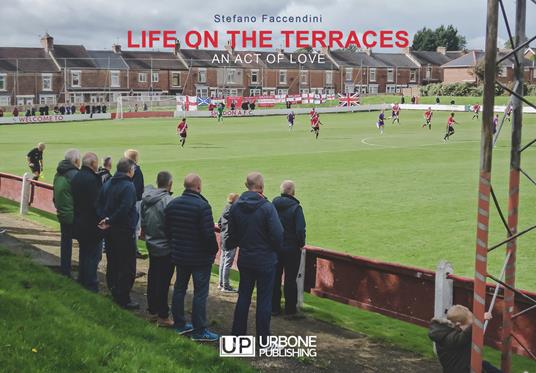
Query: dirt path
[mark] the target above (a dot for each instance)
(339, 350)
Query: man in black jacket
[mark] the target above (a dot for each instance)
(116, 208)
(255, 228)
(189, 226)
(85, 188)
(139, 184)
(291, 216)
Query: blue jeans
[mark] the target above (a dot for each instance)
(88, 264)
(66, 248)
(201, 279)
(264, 279)
(226, 262)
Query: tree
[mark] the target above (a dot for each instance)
(428, 39)
(508, 44)
(307, 49)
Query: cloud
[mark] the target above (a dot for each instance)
(100, 23)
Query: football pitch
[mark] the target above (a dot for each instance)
(404, 196)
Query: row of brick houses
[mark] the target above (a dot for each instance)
(55, 73)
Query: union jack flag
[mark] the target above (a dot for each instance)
(348, 100)
(203, 101)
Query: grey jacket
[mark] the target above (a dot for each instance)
(153, 203)
(223, 224)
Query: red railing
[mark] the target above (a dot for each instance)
(402, 292)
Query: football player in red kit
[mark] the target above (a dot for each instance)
(181, 131)
(428, 118)
(476, 111)
(315, 124)
(450, 127)
(395, 113)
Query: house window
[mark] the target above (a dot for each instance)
(304, 91)
(282, 76)
(329, 77)
(154, 77)
(503, 72)
(282, 91)
(428, 72)
(114, 78)
(233, 92)
(5, 100)
(175, 79)
(2, 82)
(330, 91)
(413, 75)
(254, 76)
(390, 88)
(372, 74)
(373, 89)
(75, 78)
(255, 91)
(231, 75)
(47, 82)
(202, 76)
(201, 92)
(348, 73)
(304, 77)
(390, 75)
(142, 77)
(47, 99)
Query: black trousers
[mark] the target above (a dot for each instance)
(288, 263)
(158, 279)
(121, 268)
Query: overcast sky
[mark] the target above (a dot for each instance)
(98, 24)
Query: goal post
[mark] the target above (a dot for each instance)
(145, 104)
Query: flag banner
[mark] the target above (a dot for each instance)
(348, 100)
(203, 101)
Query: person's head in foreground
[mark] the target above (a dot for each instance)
(91, 161)
(460, 316)
(288, 187)
(255, 182)
(232, 197)
(107, 163)
(192, 182)
(126, 166)
(164, 180)
(132, 154)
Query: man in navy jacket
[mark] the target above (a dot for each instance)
(291, 216)
(189, 226)
(255, 228)
(117, 211)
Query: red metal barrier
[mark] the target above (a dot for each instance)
(402, 292)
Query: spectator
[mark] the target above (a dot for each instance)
(85, 188)
(68, 110)
(413, 99)
(291, 216)
(145, 108)
(28, 113)
(15, 112)
(82, 109)
(73, 109)
(35, 160)
(227, 253)
(245, 105)
(402, 99)
(190, 228)
(46, 109)
(252, 105)
(56, 109)
(105, 172)
(160, 265)
(1, 112)
(63, 201)
(255, 227)
(41, 110)
(136, 107)
(452, 337)
(62, 110)
(116, 208)
(133, 155)
(87, 109)
(33, 111)
(437, 100)
(103, 108)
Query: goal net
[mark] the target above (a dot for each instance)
(148, 104)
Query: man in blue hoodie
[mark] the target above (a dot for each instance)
(255, 228)
(117, 211)
(291, 216)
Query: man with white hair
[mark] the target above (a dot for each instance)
(85, 188)
(291, 216)
(63, 201)
(255, 228)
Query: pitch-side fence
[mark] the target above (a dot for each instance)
(406, 293)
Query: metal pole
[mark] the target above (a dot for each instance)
(484, 190)
(513, 200)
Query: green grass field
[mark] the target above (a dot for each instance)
(403, 197)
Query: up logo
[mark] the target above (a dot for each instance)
(237, 346)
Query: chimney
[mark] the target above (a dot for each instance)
(229, 48)
(47, 42)
(325, 50)
(280, 50)
(442, 50)
(116, 48)
(177, 47)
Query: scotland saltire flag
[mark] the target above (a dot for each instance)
(203, 101)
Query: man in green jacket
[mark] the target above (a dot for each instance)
(63, 200)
